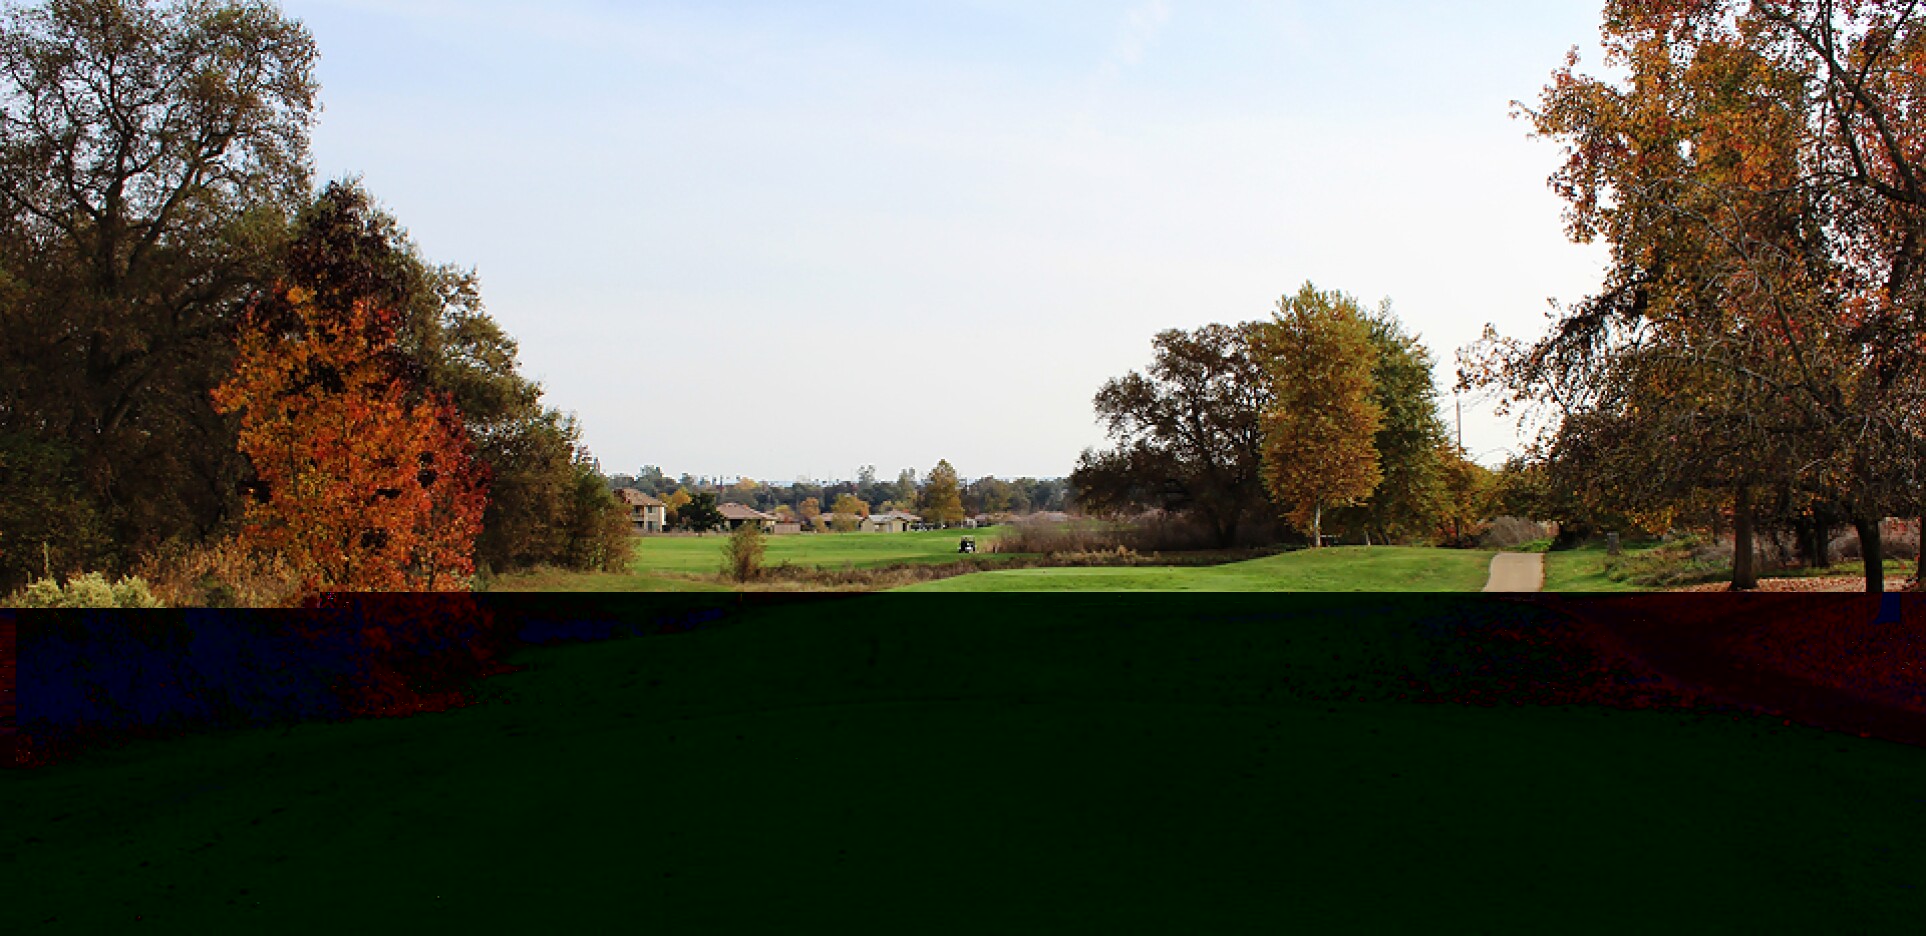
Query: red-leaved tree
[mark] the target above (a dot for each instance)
(363, 482)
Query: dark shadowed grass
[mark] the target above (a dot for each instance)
(938, 765)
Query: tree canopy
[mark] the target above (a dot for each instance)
(1187, 433)
(150, 154)
(1757, 174)
(941, 500)
(357, 486)
(156, 209)
(1410, 498)
(1319, 434)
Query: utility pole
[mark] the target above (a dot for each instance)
(1458, 403)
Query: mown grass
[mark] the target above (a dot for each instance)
(1337, 569)
(1587, 568)
(925, 766)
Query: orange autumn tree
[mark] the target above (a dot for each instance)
(363, 482)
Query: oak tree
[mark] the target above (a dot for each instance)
(1187, 434)
(150, 153)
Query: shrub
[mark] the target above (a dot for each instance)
(1904, 545)
(1151, 533)
(86, 591)
(742, 554)
(219, 574)
(1510, 532)
(1052, 537)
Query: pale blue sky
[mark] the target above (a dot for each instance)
(780, 240)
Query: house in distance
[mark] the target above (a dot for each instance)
(734, 515)
(648, 514)
(894, 521)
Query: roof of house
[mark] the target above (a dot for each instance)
(896, 515)
(635, 498)
(735, 511)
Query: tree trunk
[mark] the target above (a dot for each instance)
(1874, 556)
(1317, 526)
(1919, 559)
(1821, 544)
(1745, 575)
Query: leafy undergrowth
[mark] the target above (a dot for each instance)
(1680, 564)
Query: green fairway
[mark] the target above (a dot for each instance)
(1337, 569)
(1115, 768)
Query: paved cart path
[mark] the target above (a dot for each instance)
(1516, 572)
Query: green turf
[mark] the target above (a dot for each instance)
(828, 771)
(1587, 568)
(1337, 569)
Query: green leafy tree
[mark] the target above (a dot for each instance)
(598, 532)
(1319, 434)
(906, 487)
(989, 495)
(1409, 499)
(700, 514)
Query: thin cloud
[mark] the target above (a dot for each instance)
(1136, 33)
(1139, 31)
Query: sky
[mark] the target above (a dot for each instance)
(785, 240)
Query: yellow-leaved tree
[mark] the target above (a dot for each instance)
(942, 499)
(1319, 434)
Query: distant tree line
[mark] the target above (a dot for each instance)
(940, 496)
